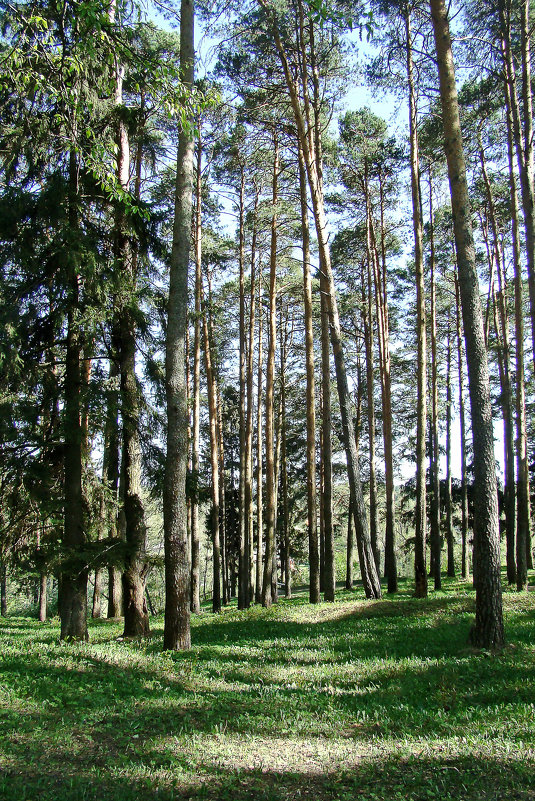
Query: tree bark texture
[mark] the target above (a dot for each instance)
(488, 629)
(177, 564)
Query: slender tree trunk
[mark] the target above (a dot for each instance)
(462, 435)
(267, 597)
(259, 479)
(350, 550)
(310, 392)
(249, 521)
(449, 520)
(420, 575)
(43, 597)
(225, 595)
(72, 599)
(522, 467)
(370, 578)
(177, 564)
(327, 467)
(196, 427)
(3, 590)
(488, 629)
(214, 459)
(435, 455)
(367, 320)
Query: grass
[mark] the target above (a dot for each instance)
(351, 700)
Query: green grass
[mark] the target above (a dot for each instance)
(353, 700)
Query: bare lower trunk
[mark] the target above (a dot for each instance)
(72, 596)
(310, 392)
(488, 629)
(267, 596)
(420, 575)
(43, 597)
(177, 564)
(195, 439)
(449, 513)
(435, 455)
(259, 488)
(327, 469)
(462, 434)
(370, 578)
(3, 590)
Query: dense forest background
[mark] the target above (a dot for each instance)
(303, 343)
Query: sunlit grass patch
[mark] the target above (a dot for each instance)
(356, 699)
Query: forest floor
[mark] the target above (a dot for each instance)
(353, 700)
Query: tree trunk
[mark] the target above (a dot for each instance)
(177, 568)
(420, 575)
(370, 578)
(367, 321)
(267, 596)
(214, 460)
(462, 435)
(3, 590)
(523, 520)
(249, 565)
(327, 457)
(381, 302)
(72, 597)
(310, 392)
(259, 480)
(488, 629)
(195, 439)
(449, 521)
(435, 455)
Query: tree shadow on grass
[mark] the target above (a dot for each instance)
(376, 777)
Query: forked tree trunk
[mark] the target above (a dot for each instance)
(488, 629)
(177, 564)
(367, 322)
(306, 133)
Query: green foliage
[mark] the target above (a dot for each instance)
(379, 700)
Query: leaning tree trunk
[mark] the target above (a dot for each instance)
(488, 629)
(298, 95)
(177, 564)
(367, 321)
